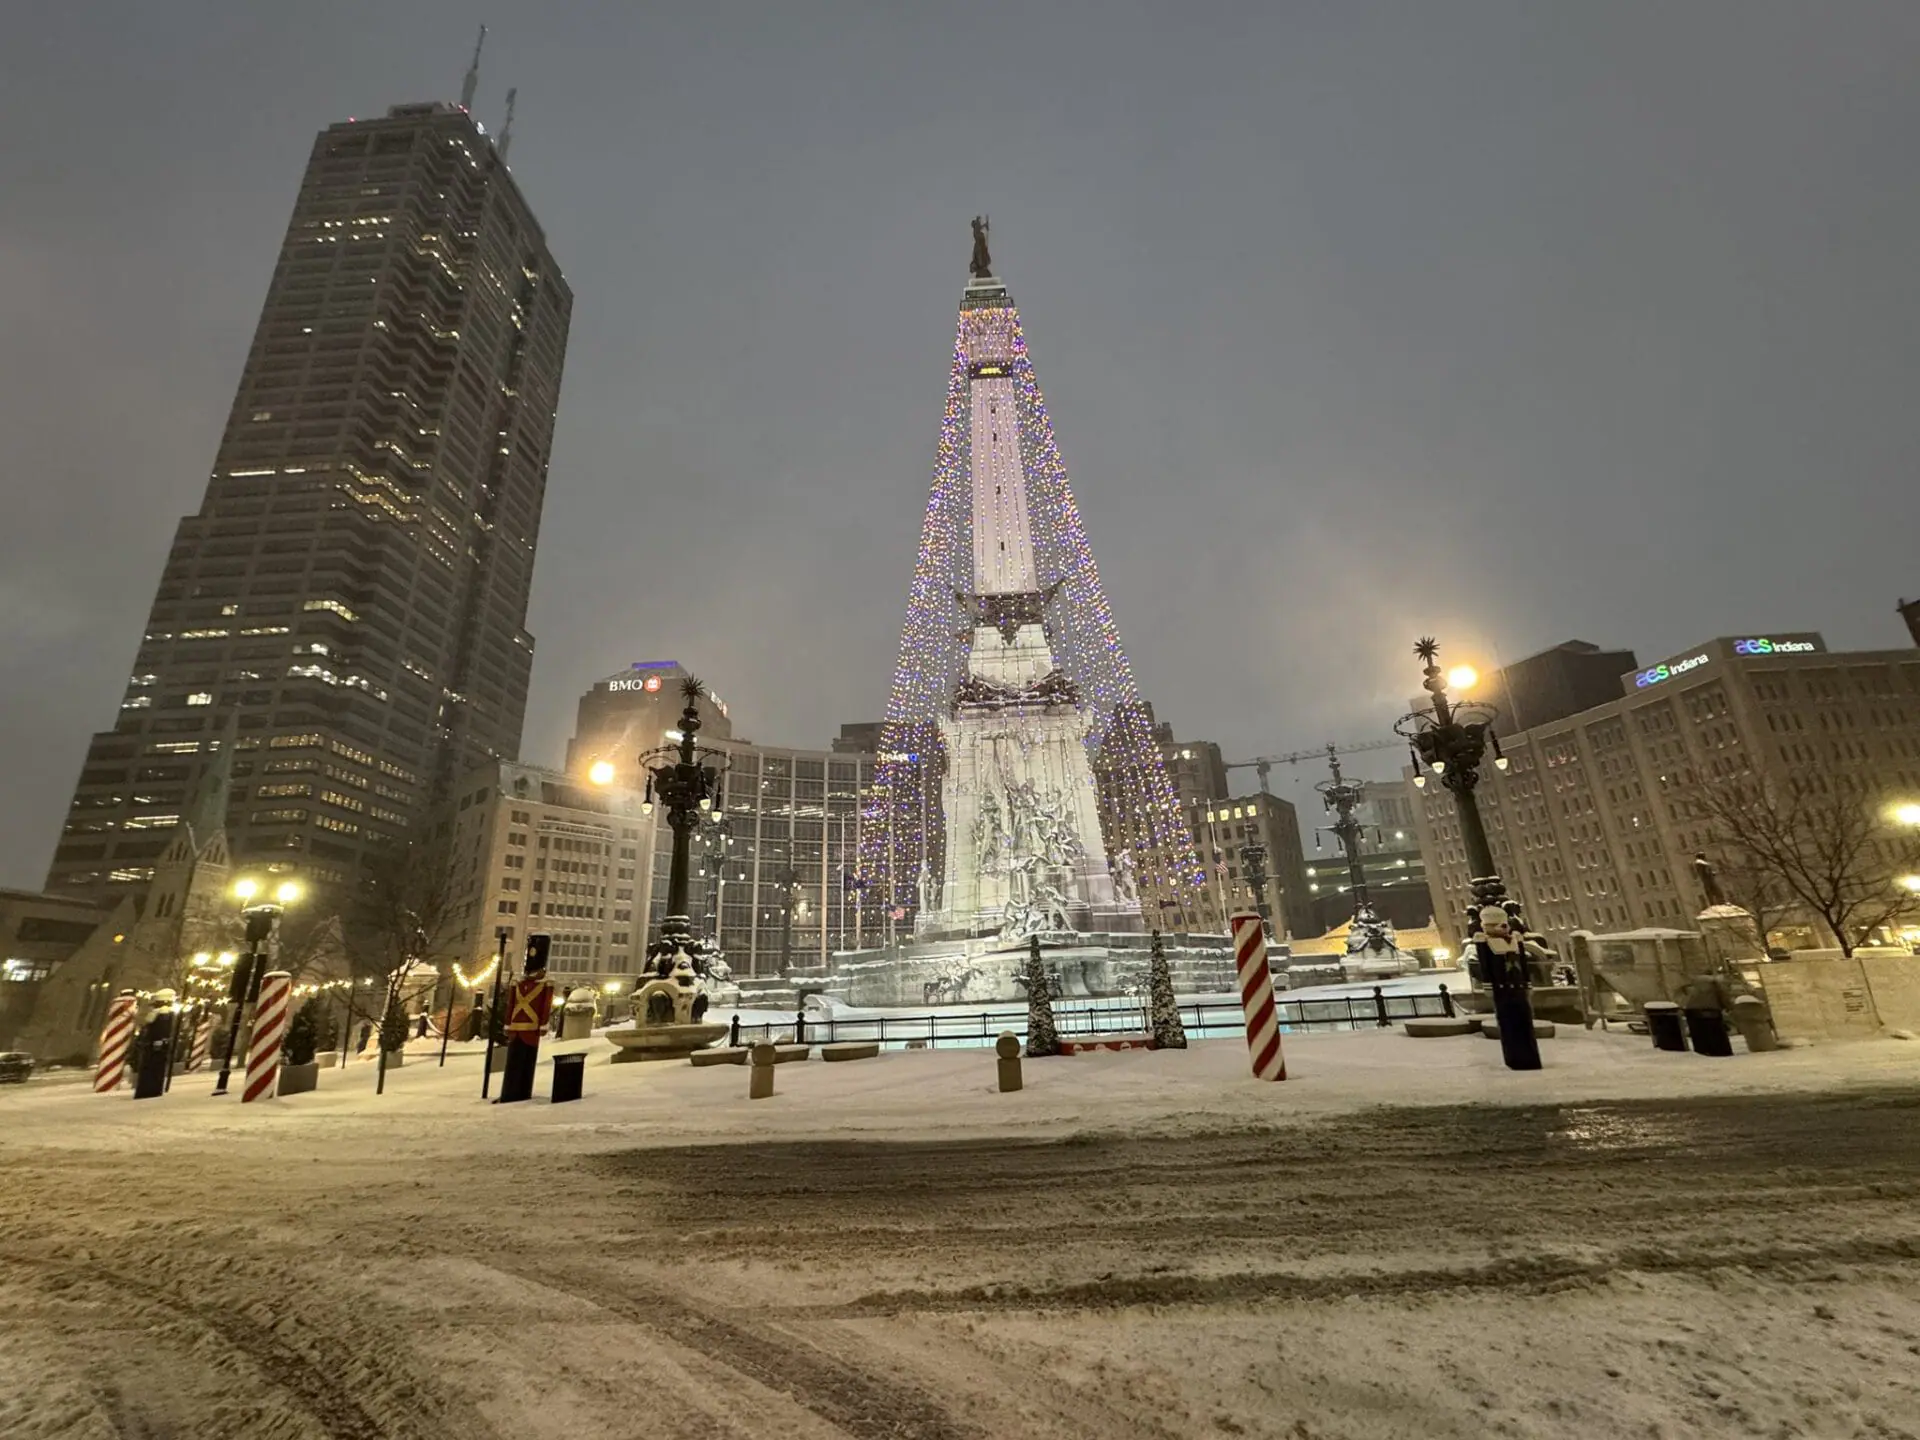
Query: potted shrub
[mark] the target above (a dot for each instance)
(299, 1071)
(327, 1038)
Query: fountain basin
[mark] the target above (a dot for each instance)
(662, 1042)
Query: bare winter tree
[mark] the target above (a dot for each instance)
(411, 912)
(1818, 846)
(1756, 890)
(307, 944)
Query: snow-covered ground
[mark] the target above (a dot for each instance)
(923, 1094)
(1403, 1238)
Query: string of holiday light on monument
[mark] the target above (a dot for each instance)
(903, 825)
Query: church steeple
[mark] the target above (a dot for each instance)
(206, 813)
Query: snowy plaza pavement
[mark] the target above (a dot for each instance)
(1402, 1239)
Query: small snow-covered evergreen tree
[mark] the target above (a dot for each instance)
(1042, 1037)
(302, 1034)
(326, 1026)
(1168, 1032)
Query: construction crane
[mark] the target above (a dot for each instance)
(1263, 765)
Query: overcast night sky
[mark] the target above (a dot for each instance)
(1503, 321)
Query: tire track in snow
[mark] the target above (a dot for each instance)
(317, 1391)
(867, 1406)
(1538, 1274)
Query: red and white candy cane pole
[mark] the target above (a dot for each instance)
(1256, 996)
(114, 1040)
(269, 1033)
(202, 1041)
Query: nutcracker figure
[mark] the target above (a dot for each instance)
(1504, 949)
(529, 1004)
(154, 1049)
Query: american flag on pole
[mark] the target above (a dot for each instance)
(899, 912)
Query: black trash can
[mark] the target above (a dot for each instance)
(1663, 1020)
(1708, 1027)
(568, 1073)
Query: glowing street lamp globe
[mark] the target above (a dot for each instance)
(1463, 677)
(601, 772)
(246, 888)
(1908, 814)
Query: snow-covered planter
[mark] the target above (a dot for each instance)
(299, 1070)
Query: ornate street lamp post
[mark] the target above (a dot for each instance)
(1367, 932)
(1253, 856)
(713, 869)
(1450, 741)
(685, 777)
(788, 879)
(261, 912)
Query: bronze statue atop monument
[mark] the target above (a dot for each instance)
(1709, 880)
(981, 266)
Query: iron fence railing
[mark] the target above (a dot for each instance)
(963, 1027)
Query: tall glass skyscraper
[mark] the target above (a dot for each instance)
(347, 609)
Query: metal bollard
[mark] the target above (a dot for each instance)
(760, 1071)
(1007, 1047)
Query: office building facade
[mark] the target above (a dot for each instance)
(1574, 675)
(1390, 859)
(1221, 831)
(1195, 768)
(347, 608)
(632, 712)
(776, 869)
(534, 849)
(1591, 824)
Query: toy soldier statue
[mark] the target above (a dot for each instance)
(529, 1004)
(981, 265)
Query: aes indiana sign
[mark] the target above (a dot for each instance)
(1741, 646)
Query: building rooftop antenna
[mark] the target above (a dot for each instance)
(472, 82)
(506, 130)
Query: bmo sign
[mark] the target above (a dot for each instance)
(640, 680)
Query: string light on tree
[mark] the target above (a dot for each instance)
(467, 982)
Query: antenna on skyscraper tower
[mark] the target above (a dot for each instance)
(472, 82)
(506, 130)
